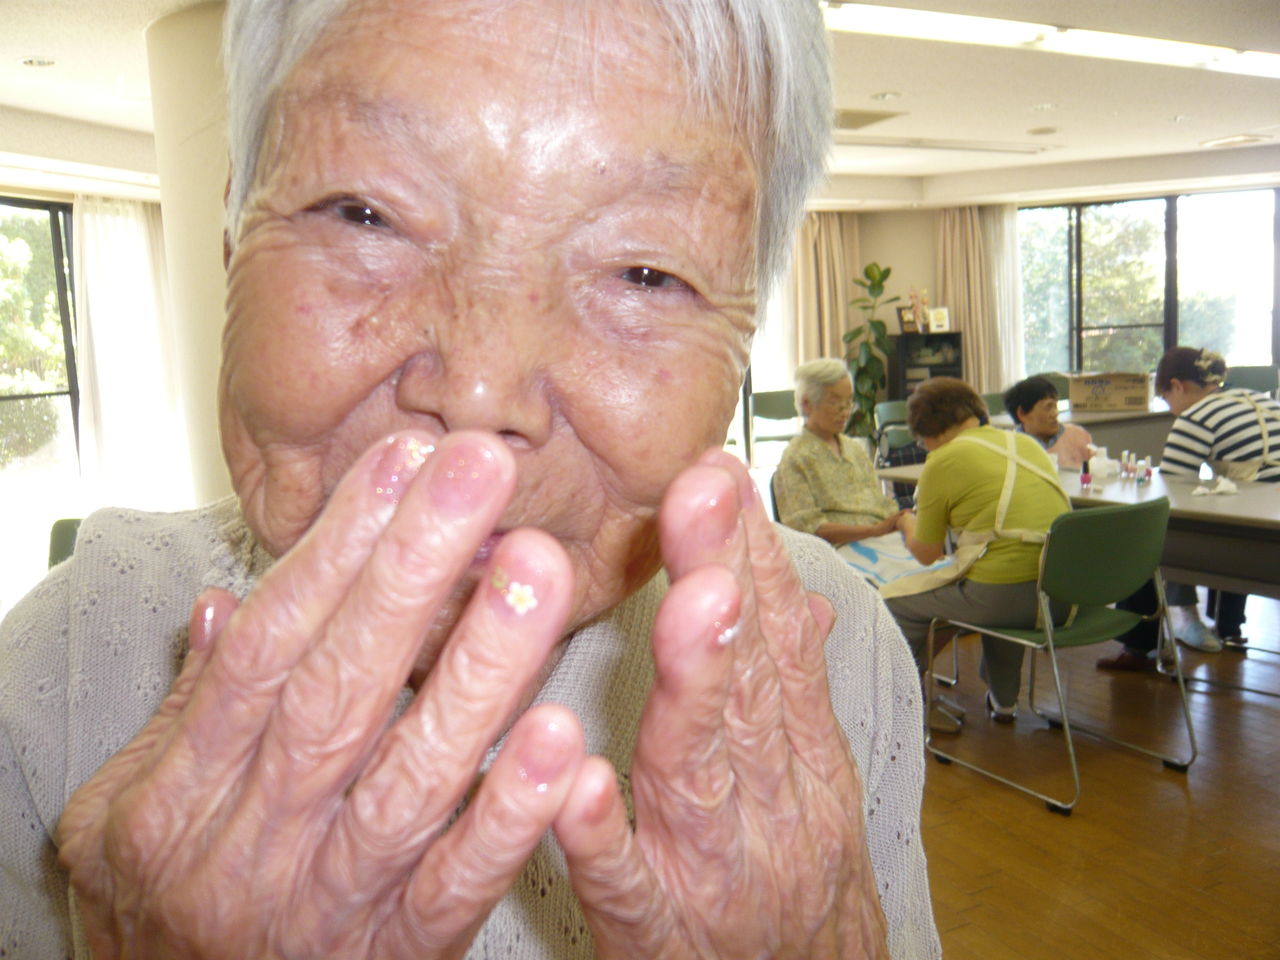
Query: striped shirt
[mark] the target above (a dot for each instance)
(1225, 426)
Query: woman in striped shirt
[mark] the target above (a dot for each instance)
(1235, 431)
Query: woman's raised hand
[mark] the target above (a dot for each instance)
(749, 834)
(272, 808)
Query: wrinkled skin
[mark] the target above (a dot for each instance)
(454, 382)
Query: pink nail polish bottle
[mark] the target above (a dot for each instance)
(1086, 478)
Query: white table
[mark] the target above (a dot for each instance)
(1228, 542)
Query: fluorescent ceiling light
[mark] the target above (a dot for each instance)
(986, 31)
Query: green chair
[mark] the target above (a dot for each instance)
(994, 402)
(1059, 381)
(1092, 558)
(1263, 379)
(774, 405)
(891, 413)
(62, 540)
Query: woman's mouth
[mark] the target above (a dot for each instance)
(486, 548)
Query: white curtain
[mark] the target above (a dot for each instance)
(826, 252)
(133, 445)
(980, 284)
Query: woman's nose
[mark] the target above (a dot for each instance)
(475, 377)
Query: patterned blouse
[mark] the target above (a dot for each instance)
(813, 486)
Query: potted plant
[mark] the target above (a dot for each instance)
(867, 350)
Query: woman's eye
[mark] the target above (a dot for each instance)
(651, 277)
(356, 212)
(350, 210)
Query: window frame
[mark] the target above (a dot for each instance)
(60, 230)
(1075, 286)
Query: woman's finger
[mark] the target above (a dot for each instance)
(630, 916)
(794, 637)
(428, 758)
(682, 745)
(701, 524)
(286, 614)
(472, 866)
(337, 699)
(78, 840)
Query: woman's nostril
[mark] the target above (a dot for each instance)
(515, 439)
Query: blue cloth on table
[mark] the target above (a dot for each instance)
(884, 559)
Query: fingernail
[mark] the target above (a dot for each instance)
(202, 636)
(717, 521)
(518, 596)
(725, 625)
(543, 762)
(461, 476)
(398, 465)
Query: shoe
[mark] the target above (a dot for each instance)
(1235, 642)
(998, 713)
(1199, 637)
(1129, 661)
(940, 721)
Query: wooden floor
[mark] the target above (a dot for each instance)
(1152, 863)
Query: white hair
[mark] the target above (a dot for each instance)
(762, 61)
(813, 378)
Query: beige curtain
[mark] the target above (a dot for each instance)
(826, 252)
(965, 289)
(1000, 240)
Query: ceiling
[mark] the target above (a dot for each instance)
(965, 115)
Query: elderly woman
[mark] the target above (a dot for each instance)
(825, 483)
(1235, 431)
(997, 492)
(1033, 404)
(493, 275)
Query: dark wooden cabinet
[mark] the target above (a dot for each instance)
(914, 357)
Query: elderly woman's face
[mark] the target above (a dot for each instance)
(474, 220)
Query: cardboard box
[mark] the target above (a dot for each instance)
(1095, 392)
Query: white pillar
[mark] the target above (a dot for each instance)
(191, 158)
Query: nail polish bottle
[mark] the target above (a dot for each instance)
(1146, 469)
(1086, 478)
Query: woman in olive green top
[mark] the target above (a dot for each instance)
(962, 489)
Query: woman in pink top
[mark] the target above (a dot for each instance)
(1033, 404)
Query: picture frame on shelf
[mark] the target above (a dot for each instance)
(939, 320)
(907, 320)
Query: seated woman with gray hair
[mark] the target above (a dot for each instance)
(494, 652)
(826, 485)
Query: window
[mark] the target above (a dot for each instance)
(1110, 286)
(38, 389)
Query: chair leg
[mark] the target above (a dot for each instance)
(1166, 651)
(952, 680)
(1054, 804)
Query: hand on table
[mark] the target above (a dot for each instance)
(269, 810)
(888, 525)
(749, 835)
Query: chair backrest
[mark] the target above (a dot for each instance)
(774, 405)
(1059, 381)
(62, 540)
(890, 413)
(1263, 379)
(994, 402)
(1098, 555)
